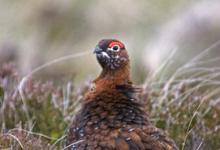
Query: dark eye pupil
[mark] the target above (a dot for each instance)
(115, 48)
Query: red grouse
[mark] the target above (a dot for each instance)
(111, 117)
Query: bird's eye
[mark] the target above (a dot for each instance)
(115, 48)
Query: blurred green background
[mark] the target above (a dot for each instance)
(174, 48)
(35, 32)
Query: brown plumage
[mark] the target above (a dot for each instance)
(111, 117)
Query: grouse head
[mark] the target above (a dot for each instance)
(111, 54)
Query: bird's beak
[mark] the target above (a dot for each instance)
(100, 53)
(97, 50)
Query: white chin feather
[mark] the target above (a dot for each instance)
(105, 55)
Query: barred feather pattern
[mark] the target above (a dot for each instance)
(114, 122)
(111, 117)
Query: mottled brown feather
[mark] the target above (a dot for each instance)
(111, 117)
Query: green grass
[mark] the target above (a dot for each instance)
(35, 115)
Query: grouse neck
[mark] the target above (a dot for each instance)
(118, 76)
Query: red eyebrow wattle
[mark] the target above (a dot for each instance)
(116, 43)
